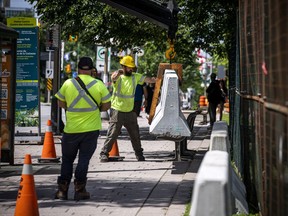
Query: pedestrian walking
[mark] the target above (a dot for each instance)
(214, 98)
(122, 114)
(224, 95)
(83, 98)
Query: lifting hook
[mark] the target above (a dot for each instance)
(170, 53)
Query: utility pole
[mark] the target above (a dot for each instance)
(55, 110)
(105, 77)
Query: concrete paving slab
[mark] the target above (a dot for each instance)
(157, 186)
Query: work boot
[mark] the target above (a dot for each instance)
(63, 187)
(140, 158)
(139, 155)
(80, 191)
(104, 158)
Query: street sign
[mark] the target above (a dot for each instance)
(101, 53)
(49, 74)
(100, 65)
(221, 72)
(50, 49)
(140, 52)
(101, 58)
(49, 84)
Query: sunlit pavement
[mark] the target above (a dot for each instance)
(158, 186)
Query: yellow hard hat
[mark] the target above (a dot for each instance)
(128, 61)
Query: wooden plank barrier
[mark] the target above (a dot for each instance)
(161, 68)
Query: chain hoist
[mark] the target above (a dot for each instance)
(170, 53)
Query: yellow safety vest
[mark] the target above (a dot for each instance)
(82, 114)
(124, 91)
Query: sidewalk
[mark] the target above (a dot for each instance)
(158, 186)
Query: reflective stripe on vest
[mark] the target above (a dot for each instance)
(82, 94)
(106, 97)
(142, 79)
(61, 96)
(117, 93)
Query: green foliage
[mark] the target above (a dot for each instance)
(201, 24)
(209, 25)
(187, 209)
(225, 117)
(80, 51)
(97, 23)
(149, 62)
(27, 118)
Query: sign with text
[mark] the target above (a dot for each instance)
(27, 68)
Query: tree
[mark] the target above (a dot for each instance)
(202, 24)
(97, 23)
(209, 25)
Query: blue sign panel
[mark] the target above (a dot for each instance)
(27, 71)
(27, 90)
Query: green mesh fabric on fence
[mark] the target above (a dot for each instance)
(259, 104)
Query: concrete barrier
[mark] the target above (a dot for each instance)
(212, 189)
(220, 137)
(239, 203)
(104, 115)
(168, 120)
(220, 141)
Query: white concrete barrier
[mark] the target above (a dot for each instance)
(220, 137)
(104, 115)
(220, 141)
(168, 120)
(239, 203)
(212, 188)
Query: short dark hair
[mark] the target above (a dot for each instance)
(213, 75)
(85, 63)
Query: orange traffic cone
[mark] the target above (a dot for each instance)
(48, 151)
(114, 153)
(27, 199)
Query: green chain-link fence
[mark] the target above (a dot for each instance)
(259, 104)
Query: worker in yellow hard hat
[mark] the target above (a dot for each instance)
(124, 84)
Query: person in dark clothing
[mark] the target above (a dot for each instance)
(224, 94)
(214, 98)
(95, 74)
(150, 91)
(138, 99)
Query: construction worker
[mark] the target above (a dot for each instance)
(124, 83)
(83, 122)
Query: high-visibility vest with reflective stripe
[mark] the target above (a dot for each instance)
(82, 114)
(124, 91)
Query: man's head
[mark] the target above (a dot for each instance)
(85, 65)
(213, 76)
(127, 63)
(94, 72)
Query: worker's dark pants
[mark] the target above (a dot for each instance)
(137, 107)
(85, 144)
(129, 121)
